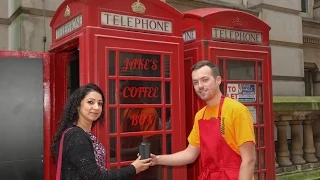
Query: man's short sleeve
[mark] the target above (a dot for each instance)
(194, 137)
(243, 127)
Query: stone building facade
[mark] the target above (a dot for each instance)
(294, 41)
(294, 35)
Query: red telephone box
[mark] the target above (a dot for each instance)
(238, 43)
(131, 49)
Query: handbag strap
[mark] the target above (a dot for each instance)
(58, 174)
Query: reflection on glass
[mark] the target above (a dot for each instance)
(167, 64)
(136, 64)
(168, 92)
(140, 92)
(220, 66)
(112, 120)
(261, 115)
(256, 176)
(240, 70)
(261, 144)
(113, 150)
(140, 119)
(112, 91)
(259, 71)
(262, 158)
(112, 64)
(130, 145)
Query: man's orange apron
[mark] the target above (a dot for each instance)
(218, 160)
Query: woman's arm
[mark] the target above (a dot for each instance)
(79, 152)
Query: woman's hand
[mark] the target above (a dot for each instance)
(141, 165)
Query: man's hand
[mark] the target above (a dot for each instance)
(187, 156)
(154, 160)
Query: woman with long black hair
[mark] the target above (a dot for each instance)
(83, 156)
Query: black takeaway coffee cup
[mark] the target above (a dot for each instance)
(144, 150)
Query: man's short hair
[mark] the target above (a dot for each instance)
(211, 65)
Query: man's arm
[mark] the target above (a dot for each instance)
(187, 156)
(247, 153)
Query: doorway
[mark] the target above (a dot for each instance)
(73, 81)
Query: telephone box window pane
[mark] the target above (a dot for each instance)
(261, 115)
(112, 60)
(136, 64)
(140, 92)
(167, 64)
(259, 71)
(169, 173)
(240, 70)
(263, 176)
(153, 173)
(112, 91)
(168, 118)
(129, 146)
(256, 166)
(220, 66)
(112, 120)
(168, 143)
(253, 111)
(256, 176)
(168, 92)
(261, 137)
(113, 150)
(256, 136)
(262, 158)
(260, 93)
(140, 119)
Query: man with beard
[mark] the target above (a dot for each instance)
(222, 132)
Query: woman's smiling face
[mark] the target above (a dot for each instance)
(91, 107)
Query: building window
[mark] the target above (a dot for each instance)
(304, 6)
(309, 71)
(308, 82)
(307, 8)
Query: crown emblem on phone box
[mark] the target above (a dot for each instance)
(138, 7)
